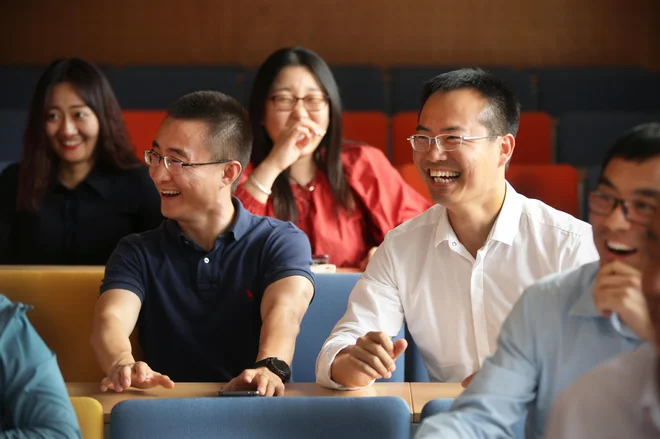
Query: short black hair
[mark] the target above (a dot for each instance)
(638, 144)
(229, 134)
(503, 116)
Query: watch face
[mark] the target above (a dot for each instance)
(281, 366)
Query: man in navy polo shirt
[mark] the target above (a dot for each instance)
(218, 294)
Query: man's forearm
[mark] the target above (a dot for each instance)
(278, 334)
(110, 343)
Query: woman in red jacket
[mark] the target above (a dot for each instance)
(344, 195)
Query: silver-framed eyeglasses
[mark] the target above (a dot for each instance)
(446, 142)
(310, 102)
(637, 211)
(172, 164)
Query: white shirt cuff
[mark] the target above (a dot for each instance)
(324, 367)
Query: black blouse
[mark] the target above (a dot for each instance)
(79, 226)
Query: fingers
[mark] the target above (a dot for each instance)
(382, 339)
(106, 384)
(618, 267)
(142, 372)
(262, 383)
(163, 380)
(123, 378)
(399, 348)
(466, 382)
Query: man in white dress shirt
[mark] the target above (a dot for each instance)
(454, 272)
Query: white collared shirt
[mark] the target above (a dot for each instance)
(454, 304)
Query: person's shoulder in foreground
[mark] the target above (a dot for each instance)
(618, 399)
(35, 402)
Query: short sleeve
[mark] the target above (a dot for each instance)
(287, 253)
(125, 268)
(388, 199)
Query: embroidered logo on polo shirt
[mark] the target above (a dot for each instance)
(249, 294)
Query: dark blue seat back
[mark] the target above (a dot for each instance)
(285, 417)
(18, 85)
(327, 308)
(12, 128)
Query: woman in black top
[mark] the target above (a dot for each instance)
(78, 188)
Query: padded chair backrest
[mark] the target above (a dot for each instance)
(12, 128)
(403, 126)
(562, 90)
(407, 82)
(142, 127)
(555, 185)
(90, 416)
(443, 405)
(63, 299)
(368, 127)
(362, 88)
(327, 308)
(534, 139)
(412, 177)
(157, 87)
(583, 138)
(238, 418)
(18, 85)
(590, 184)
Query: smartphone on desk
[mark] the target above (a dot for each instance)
(240, 393)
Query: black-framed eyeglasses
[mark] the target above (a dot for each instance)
(172, 164)
(446, 142)
(288, 103)
(637, 211)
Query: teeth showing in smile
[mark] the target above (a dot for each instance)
(72, 143)
(443, 176)
(620, 247)
(170, 193)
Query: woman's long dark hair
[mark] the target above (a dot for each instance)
(38, 160)
(327, 156)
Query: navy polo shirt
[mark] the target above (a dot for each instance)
(201, 311)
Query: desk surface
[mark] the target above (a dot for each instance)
(196, 390)
(422, 393)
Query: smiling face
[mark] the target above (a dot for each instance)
(295, 82)
(474, 171)
(71, 126)
(615, 237)
(196, 191)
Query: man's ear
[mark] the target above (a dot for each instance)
(507, 145)
(231, 173)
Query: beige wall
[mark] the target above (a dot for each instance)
(383, 32)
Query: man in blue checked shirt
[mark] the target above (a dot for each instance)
(568, 323)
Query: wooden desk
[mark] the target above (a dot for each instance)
(196, 390)
(424, 392)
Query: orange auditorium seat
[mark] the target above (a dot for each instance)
(534, 139)
(410, 175)
(555, 185)
(533, 142)
(142, 126)
(369, 127)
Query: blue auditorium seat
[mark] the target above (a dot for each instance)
(255, 417)
(442, 405)
(157, 87)
(407, 84)
(362, 88)
(18, 84)
(584, 137)
(12, 127)
(328, 306)
(562, 90)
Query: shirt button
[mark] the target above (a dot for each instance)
(453, 243)
(207, 260)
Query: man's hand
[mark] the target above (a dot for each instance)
(618, 289)
(261, 379)
(371, 358)
(365, 261)
(466, 382)
(128, 374)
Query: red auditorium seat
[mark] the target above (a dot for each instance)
(142, 126)
(369, 127)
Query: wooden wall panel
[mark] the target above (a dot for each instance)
(382, 32)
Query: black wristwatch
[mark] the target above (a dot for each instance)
(277, 366)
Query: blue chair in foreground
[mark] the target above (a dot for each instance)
(328, 306)
(442, 405)
(284, 417)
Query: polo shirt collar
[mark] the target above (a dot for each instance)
(237, 230)
(506, 225)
